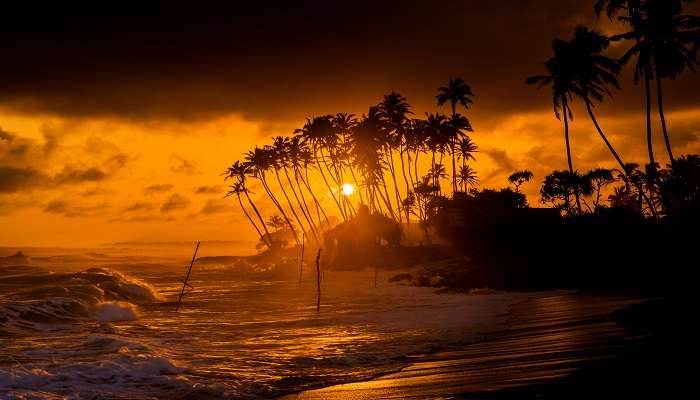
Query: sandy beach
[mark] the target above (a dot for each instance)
(547, 340)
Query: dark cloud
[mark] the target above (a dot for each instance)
(68, 209)
(17, 179)
(140, 206)
(70, 174)
(504, 164)
(278, 61)
(215, 206)
(175, 202)
(216, 189)
(159, 188)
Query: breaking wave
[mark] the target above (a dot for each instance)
(42, 300)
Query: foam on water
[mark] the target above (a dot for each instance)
(100, 333)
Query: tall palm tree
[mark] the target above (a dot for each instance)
(315, 132)
(280, 148)
(561, 78)
(240, 171)
(260, 160)
(594, 72)
(455, 92)
(666, 43)
(393, 112)
(237, 188)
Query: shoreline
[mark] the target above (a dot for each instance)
(546, 341)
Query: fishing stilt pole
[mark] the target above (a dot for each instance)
(182, 293)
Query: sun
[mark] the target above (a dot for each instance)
(348, 189)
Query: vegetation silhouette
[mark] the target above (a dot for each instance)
(395, 162)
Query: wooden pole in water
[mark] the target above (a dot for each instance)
(301, 263)
(182, 293)
(376, 272)
(318, 280)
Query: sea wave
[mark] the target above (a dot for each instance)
(41, 300)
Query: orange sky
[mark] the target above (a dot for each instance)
(116, 126)
(160, 180)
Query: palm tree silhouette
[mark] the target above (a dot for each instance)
(393, 112)
(240, 171)
(237, 188)
(594, 73)
(666, 43)
(279, 150)
(561, 78)
(260, 160)
(316, 132)
(456, 92)
(468, 177)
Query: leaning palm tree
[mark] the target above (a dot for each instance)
(594, 73)
(259, 160)
(237, 188)
(316, 132)
(455, 92)
(240, 171)
(561, 78)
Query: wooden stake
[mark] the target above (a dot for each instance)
(318, 281)
(182, 293)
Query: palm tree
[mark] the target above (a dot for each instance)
(666, 43)
(280, 151)
(594, 73)
(276, 222)
(237, 188)
(675, 40)
(561, 78)
(240, 172)
(468, 177)
(260, 160)
(316, 131)
(455, 92)
(393, 112)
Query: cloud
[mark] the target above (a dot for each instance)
(140, 206)
(62, 207)
(504, 164)
(175, 202)
(215, 189)
(215, 206)
(158, 188)
(71, 175)
(182, 165)
(17, 179)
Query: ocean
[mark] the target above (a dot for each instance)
(101, 324)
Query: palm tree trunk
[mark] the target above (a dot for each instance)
(650, 143)
(386, 199)
(660, 98)
(262, 238)
(281, 210)
(318, 204)
(454, 168)
(602, 135)
(301, 206)
(565, 107)
(325, 180)
(303, 199)
(393, 177)
(291, 206)
(262, 222)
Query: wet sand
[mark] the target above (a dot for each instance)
(549, 341)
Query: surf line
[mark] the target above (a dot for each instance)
(184, 283)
